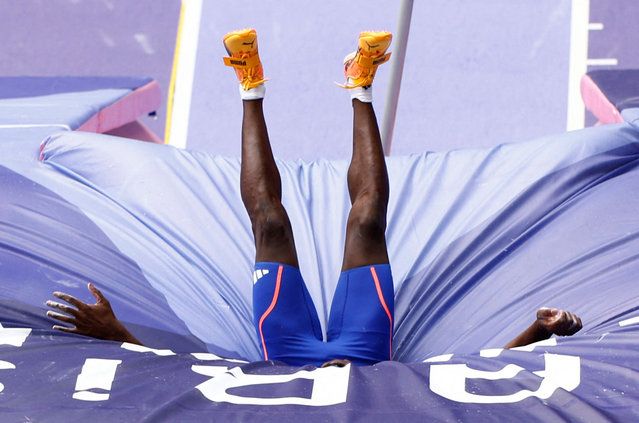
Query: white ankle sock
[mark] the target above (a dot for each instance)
(253, 93)
(363, 94)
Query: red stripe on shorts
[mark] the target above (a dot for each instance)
(271, 307)
(380, 294)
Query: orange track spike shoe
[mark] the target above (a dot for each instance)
(243, 56)
(360, 66)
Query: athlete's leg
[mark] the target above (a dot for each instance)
(260, 183)
(367, 177)
(361, 319)
(260, 186)
(284, 315)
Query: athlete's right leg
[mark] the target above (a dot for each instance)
(260, 183)
(284, 315)
(283, 311)
(260, 186)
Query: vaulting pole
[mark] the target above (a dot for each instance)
(397, 68)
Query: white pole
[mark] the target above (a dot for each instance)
(397, 68)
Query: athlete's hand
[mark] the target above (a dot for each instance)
(558, 322)
(549, 321)
(94, 320)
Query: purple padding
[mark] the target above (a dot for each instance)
(478, 241)
(597, 102)
(127, 109)
(92, 104)
(47, 376)
(607, 92)
(32, 86)
(621, 86)
(43, 240)
(69, 110)
(461, 226)
(136, 130)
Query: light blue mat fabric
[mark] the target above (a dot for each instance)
(478, 241)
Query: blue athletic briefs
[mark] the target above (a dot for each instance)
(360, 325)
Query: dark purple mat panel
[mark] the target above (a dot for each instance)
(49, 377)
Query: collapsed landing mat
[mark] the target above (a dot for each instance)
(478, 239)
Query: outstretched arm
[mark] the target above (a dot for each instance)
(94, 320)
(549, 321)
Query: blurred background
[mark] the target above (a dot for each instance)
(476, 73)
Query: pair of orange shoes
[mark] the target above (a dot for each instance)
(359, 66)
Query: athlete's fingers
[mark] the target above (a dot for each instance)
(560, 319)
(575, 324)
(69, 299)
(573, 320)
(62, 307)
(64, 328)
(545, 312)
(61, 317)
(567, 322)
(96, 293)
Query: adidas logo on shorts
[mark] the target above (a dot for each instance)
(258, 274)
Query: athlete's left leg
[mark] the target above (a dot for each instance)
(368, 188)
(361, 318)
(367, 176)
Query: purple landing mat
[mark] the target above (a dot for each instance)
(476, 74)
(478, 241)
(51, 377)
(69, 110)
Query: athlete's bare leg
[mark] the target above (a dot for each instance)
(368, 189)
(260, 186)
(260, 183)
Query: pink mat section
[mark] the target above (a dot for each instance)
(597, 102)
(136, 130)
(125, 113)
